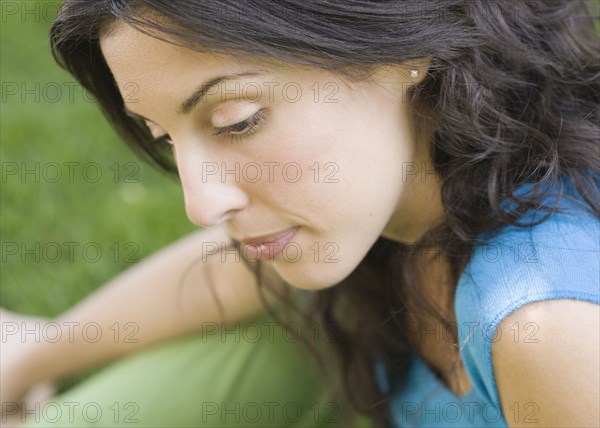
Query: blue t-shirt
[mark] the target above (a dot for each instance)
(510, 267)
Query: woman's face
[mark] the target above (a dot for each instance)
(305, 169)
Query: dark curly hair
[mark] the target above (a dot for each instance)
(512, 95)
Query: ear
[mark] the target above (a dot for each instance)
(407, 74)
(415, 70)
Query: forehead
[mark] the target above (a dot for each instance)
(138, 57)
(157, 70)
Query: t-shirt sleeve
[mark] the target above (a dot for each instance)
(557, 259)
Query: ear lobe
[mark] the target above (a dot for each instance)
(416, 69)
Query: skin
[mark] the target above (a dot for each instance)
(342, 219)
(369, 136)
(550, 378)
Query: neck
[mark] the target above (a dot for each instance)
(419, 209)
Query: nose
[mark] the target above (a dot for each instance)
(212, 191)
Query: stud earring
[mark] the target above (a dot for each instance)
(414, 73)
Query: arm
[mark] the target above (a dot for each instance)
(552, 381)
(154, 299)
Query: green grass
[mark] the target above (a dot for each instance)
(136, 218)
(110, 215)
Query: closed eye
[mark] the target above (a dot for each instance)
(163, 139)
(155, 129)
(233, 133)
(241, 129)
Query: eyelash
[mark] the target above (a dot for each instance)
(241, 130)
(232, 133)
(163, 139)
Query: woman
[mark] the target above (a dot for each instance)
(427, 171)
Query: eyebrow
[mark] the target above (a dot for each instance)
(188, 105)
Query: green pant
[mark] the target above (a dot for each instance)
(255, 375)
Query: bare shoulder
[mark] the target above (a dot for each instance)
(552, 379)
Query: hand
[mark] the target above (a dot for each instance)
(18, 387)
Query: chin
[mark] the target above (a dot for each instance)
(312, 276)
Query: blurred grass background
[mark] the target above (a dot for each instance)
(40, 125)
(47, 121)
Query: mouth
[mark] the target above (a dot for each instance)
(267, 247)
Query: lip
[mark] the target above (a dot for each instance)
(265, 239)
(267, 247)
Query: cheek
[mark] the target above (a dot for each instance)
(335, 154)
(350, 183)
(363, 151)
